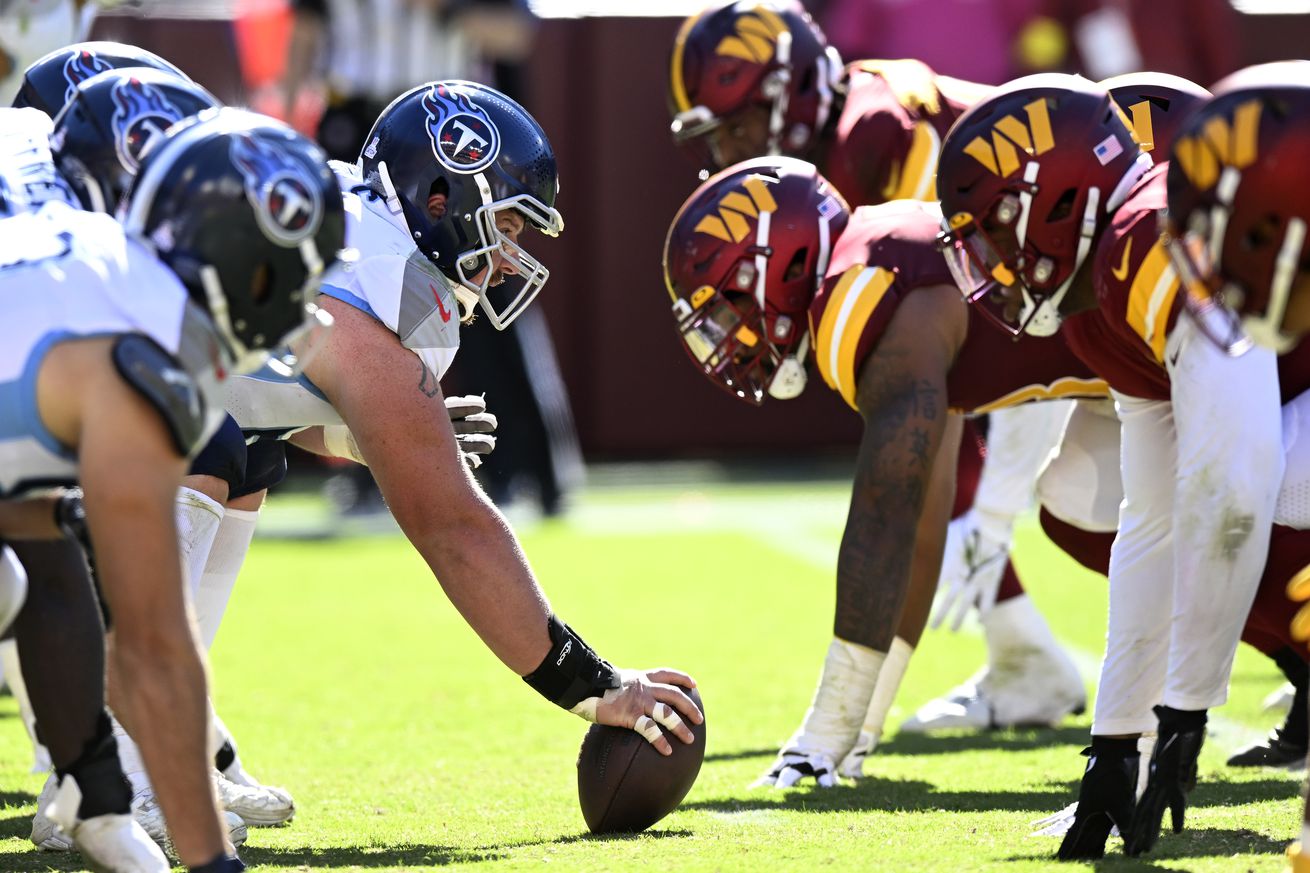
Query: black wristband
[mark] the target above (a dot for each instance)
(571, 672)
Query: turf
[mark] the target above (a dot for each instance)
(348, 678)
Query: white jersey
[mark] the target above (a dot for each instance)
(391, 281)
(66, 274)
(26, 163)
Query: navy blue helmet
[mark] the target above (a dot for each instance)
(112, 119)
(49, 83)
(452, 156)
(248, 215)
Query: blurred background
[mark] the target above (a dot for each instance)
(597, 371)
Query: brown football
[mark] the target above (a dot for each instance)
(625, 785)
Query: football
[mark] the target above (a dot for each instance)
(625, 785)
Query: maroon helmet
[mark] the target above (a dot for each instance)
(769, 56)
(744, 258)
(1027, 179)
(1156, 104)
(1239, 205)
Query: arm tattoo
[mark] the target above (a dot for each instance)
(903, 429)
(427, 383)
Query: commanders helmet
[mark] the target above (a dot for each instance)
(1027, 179)
(1239, 205)
(452, 157)
(111, 120)
(1156, 104)
(767, 55)
(743, 259)
(49, 82)
(248, 215)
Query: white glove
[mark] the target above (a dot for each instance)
(852, 766)
(832, 724)
(791, 767)
(977, 547)
(473, 426)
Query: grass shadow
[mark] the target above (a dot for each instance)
(1007, 739)
(423, 855)
(742, 754)
(1173, 850)
(892, 795)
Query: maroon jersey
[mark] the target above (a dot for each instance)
(886, 253)
(1140, 301)
(890, 130)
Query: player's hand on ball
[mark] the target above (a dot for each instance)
(977, 546)
(646, 700)
(793, 765)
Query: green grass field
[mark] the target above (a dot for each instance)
(347, 678)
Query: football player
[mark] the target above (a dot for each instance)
(765, 262)
(1238, 208)
(755, 78)
(1050, 210)
(100, 135)
(452, 175)
(113, 389)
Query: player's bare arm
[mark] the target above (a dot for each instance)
(130, 470)
(393, 405)
(902, 397)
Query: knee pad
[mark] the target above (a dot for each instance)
(224, 456)
(266, 466)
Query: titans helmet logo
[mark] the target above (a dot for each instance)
(464, 139)
(142, 113)
(287, 202)
(79, 68)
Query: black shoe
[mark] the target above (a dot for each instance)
(1273, 751)
(1173, 776)
(1106, 799)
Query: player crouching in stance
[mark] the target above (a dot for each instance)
(115, 339)
(764, 263)
(449, 180)
(1239, 207)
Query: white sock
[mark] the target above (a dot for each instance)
(1016, 625)
(198, 518)
(884, 692)
(13, 588)
(220, 575)
(832, 723)
(129, 758)
(14, 674)
(1305, 836)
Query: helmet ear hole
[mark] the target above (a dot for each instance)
(261, 283)
(1063, 207)
(797, 265)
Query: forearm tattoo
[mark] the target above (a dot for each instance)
(902, 433)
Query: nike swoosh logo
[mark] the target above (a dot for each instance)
(436, 295)
(1121, 272)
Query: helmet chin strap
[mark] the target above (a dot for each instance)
(1267, 329)
(775, 87)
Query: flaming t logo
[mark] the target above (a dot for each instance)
(287, 203)
(141, 114)
(464, 139)
(81, 67)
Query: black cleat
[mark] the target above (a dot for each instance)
(1173, 776)
(1106, 799)
(1273, 751)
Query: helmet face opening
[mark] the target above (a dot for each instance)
(725, 337)
(500, 272)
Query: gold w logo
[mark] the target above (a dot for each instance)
(1001, 155)
(1220, 144)
(757, 32)
(730, 224)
